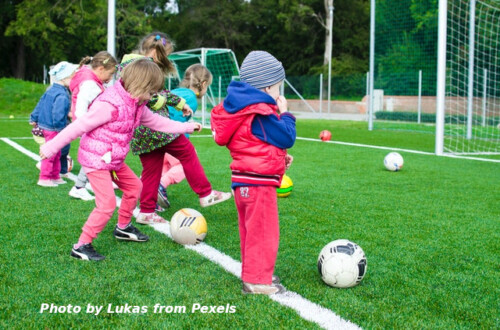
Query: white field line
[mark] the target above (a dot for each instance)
(399, 149)
(306, 309)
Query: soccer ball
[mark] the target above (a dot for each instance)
(286, 186)
(342, 264)
(393, 162)
(188, 226)
(325, 135)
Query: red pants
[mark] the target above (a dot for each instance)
(105, 200)
(152, 165)
(259, 232)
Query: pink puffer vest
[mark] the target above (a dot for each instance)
(83, 74)
(115, 135)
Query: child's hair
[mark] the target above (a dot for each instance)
(163, 45)
(103, 58)
(194, 77)
(142, 76)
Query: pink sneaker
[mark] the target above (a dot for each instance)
(249, 288)
(46, 183)
(149, 218)
(215, 197)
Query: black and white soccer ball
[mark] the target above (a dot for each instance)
(342, 264)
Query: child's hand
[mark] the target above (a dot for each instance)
(42, 156)
(282, 104)
(186, 111)
(288, 161)
(197, 127)
(32, 123)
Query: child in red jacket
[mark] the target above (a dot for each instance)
(254, 124)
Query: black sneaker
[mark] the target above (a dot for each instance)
(130, 234)
(162, 197)
(86, 252)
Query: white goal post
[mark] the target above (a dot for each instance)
(468, 75)
(224, 67)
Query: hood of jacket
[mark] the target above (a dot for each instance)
(241, 102)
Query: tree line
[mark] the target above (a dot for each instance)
(42, 32)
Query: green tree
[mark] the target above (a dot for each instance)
(50, 31)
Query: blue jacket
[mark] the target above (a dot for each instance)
(191, 100)
(51, 112)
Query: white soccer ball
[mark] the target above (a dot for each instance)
(188, 227)
(393, 161)
(342, 264)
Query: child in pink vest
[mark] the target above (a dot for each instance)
(106, 132)
(85, 86)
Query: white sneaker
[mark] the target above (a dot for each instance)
(149, 218)
(47, 183)
(215, 197)
(81, 193)
(59, 181)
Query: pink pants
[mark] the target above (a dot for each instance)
(152, 164)
(259, 232)
(172, 172)
(50, 167)
(105, 200)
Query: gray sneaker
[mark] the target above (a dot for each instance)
(249, 288)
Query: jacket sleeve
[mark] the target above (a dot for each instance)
(165, 97)
(36, 111)
(277, 131)
(60, 110)
(84, 124)
(89, 90)
(164, 124)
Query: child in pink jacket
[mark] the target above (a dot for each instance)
(106, 132)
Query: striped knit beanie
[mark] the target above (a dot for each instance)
(261, 69)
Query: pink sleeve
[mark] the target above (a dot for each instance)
(99, 114)
(163, 124)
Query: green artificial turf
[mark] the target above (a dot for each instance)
(430, 234)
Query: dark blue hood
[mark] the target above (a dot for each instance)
(240, 95)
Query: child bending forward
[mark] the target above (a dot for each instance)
(253, 123)
(106, 131)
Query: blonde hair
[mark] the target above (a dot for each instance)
(195, 76)
(142, 76)
(163, 45)
(103, 58)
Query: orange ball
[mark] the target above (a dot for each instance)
(325, 135)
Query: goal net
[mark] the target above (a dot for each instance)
(222, 64)
(404, 77)
(472, 92)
